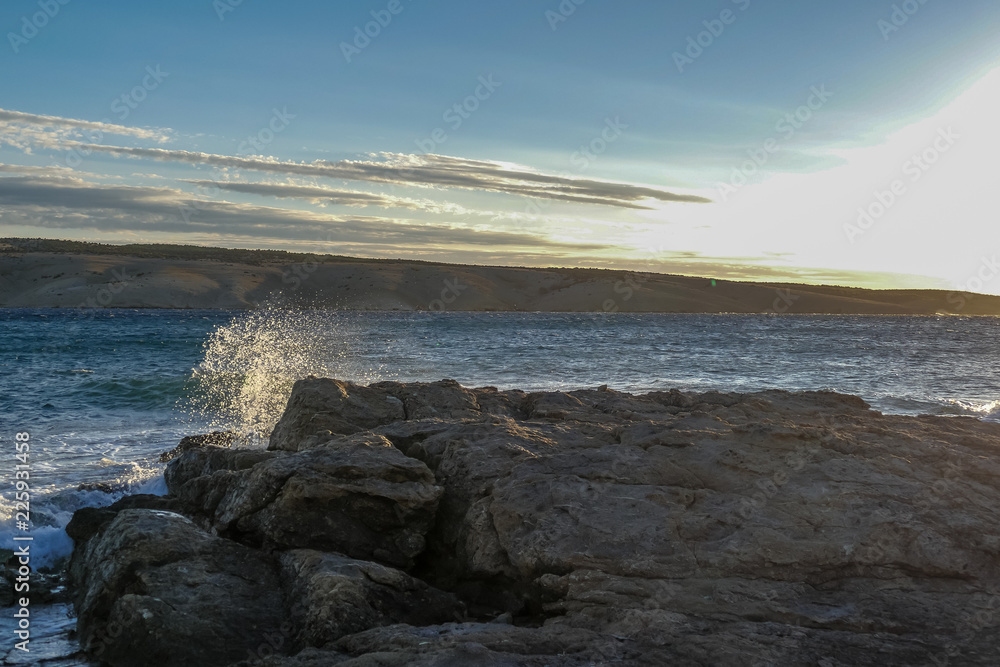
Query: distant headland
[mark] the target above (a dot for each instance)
(43, 273)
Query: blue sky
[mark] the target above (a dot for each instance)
(632, 161)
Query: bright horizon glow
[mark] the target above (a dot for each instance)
(950, 200)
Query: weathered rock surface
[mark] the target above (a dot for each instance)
(337, 596)
(357, 495)
(213, 439)
(321, 404)
(604, 528)
(151, 588)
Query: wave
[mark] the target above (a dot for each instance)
(250, 364)
(51, 511)
(985, 410)
(908, 405)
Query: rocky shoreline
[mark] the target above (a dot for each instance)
(431, 524)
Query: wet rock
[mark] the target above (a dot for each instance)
(89, 520)
(200, 478)
(103, 487)
(213, 439)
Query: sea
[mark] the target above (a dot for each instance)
(101, 394)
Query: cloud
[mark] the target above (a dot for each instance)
(41, 171)
(313, 194)
(428, 171)
(73, 203)
(18, 128)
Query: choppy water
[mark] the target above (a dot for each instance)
(103, 393)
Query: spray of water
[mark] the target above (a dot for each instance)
(243, 382)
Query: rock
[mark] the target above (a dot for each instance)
(200, 478)
(213, 439)
(152, 588)
(486, 644)
(445, 399)
(103, 487)
(808, 514)
(320, 404)
(601, 527)
(357, 495)
(319, 407)
(466, 645)
(89, 520)
(337, 596)
(552, 405)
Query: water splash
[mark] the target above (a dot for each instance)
(985, 410)
(243, 382)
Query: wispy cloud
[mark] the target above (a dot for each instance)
(24, 131)
(428, 171)
(314, 194)
(73, 203)
(40, 171)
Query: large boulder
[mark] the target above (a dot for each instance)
(320, 407)
(356, 495)
(152, 588)
(317, 405)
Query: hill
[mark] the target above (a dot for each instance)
(41, 273)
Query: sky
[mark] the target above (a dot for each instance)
(852, 143)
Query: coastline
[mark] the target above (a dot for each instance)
(240, 280)
(431, 522)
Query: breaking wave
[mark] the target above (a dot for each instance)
(250, 364)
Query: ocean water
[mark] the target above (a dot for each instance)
(104, 393)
